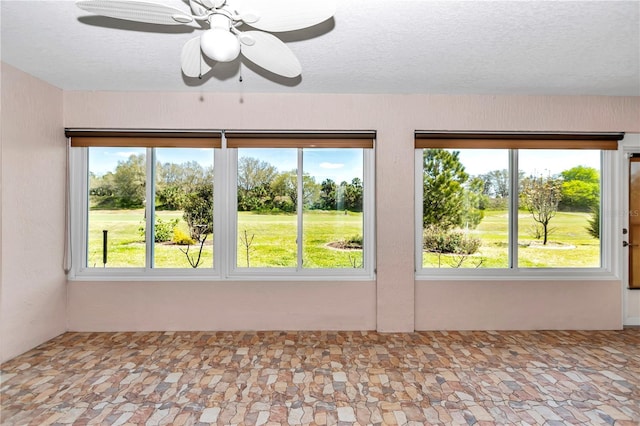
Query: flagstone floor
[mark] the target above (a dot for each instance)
(334, 378)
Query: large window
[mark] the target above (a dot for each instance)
(284, 204)
(302, 203)
(510, 202)
(147, 200)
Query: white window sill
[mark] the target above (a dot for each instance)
(540, 274)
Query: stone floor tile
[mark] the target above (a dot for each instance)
(326, 378)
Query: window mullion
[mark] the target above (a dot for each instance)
(221, 186)
(368, 214)
(150, 208)
(513, 208)
(231, 212)
(299, 209)
(83, 178)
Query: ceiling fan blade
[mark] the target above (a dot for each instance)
(136, 10)
(270, 53)
(197, 8)
(191, 60)
(286, 15)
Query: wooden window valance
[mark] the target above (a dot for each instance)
(145, 138)
(517, 140)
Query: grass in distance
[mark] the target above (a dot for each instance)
(126, 247)
(273, 243)
(570, 245)
(274, 239)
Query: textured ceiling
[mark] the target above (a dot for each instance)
(371, 46)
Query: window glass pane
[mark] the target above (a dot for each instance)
(117, 181)
(183, 208)
(267, 202)
(333, 204)
(559, 202)
(465, 208)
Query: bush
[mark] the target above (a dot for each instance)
(182, 238)
(162, 230)
(354, 242)
(436, 240)
(497, 204)
(593, 227)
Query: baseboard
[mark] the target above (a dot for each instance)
(632, 321)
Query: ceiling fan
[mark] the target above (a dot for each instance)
(223, 41)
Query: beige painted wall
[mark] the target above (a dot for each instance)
(227, 306)
(523, 305)
(632, 311)
(395, 302)
(33, 285)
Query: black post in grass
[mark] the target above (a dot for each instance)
(104, 248)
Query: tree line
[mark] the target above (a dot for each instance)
(261, 187)
(579, 186)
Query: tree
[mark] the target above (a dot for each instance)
(496, 183)
(254, 183)
(443, 189)
(353, 195)
(198, 211)
(310, 191)
(540, 197)
(174, 181)
(473, 203)
(286, 185)
(580, 189)
(327, 196)
(101, 186)
(129, 182)
(582, 173)
(285, 190)
(253, 173)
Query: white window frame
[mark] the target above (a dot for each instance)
(609, 198)
(366, 272)
(79, 187)
(225, 226)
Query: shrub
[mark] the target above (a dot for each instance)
(354, 242)
(593, 227)
(497, 204)
(438, 240)
(162, 230)
(182, 238)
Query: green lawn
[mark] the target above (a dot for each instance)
(126, 246)
(274, 241)
(569, 244)
(273, 244)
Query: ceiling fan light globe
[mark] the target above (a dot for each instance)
(220, 45)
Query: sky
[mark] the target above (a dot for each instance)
(345, 164)
(103, 160)
(532, 162)
(336, 164)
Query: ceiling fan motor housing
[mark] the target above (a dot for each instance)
(219, 43)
